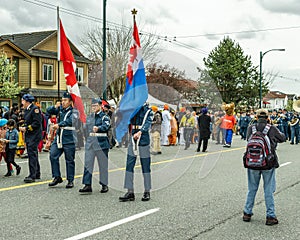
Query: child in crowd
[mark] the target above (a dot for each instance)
(11, 138)
(3, 122)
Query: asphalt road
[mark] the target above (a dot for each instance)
(195, 196)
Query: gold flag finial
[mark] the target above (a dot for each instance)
(134, 12)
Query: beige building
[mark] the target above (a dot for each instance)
(35, 56)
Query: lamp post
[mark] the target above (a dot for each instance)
(260, 71)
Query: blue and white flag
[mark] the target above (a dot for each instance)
(136, 90)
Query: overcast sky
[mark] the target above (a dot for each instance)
(194, 23)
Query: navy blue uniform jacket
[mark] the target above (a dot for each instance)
(102, 121)
(68, 136)
(33, 124)
(137, 120)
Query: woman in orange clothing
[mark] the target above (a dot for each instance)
(173, 136)
(228, 123)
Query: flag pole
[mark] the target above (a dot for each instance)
(104, 51)
(58, 54)
(133, 12)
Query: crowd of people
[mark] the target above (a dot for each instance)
(187, 126)
(59, 130)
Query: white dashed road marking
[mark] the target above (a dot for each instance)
(114, 224)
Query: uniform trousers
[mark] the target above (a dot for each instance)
(33, 161)
(55, 153)
(144, 153)
(89, 160)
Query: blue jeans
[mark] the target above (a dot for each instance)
(269, 189)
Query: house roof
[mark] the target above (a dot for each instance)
(29, 43)
(275, 94)
(85, 92)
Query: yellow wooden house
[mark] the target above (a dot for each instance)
(35, 56)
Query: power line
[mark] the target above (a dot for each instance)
(284, 77)
(239, 32)
(96, 19)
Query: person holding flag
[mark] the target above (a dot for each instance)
(65, 140)
(134, 111)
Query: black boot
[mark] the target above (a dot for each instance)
(55, 181)
(8, 174)
(146, 196)
(104, 189)
(129, 196)
(18, 168)
(87, 189)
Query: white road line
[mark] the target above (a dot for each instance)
(111, 225)
(284, 164)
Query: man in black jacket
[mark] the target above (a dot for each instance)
(33, 135)
(204, 129)
(254, 176)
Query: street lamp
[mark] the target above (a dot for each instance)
(260, 71)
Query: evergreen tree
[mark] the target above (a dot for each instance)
(234, 75)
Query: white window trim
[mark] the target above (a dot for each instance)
(52, 67)
(82, 74)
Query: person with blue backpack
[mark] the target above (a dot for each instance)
(260, 159)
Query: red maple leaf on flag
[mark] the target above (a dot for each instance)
(66, 56)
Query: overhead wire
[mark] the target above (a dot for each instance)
(173, 40)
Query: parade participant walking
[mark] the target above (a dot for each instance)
(228, 123)
(11, 139)
(64, 141)
(155, 131)
(243, 125)
(139, 144)
(204, 129)
(165, 126)
(33, 135)
(97, 145)
(294, 125)
(188, 123)
(275, 136)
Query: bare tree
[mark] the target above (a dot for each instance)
(118, 44)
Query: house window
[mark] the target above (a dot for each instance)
(79, 74)
(47, 72)
(45, 105)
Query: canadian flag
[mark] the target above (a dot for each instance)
(66, 56)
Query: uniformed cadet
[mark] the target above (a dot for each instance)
(65, 140)
(97, 145)
(139, 144)
(33, 135)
